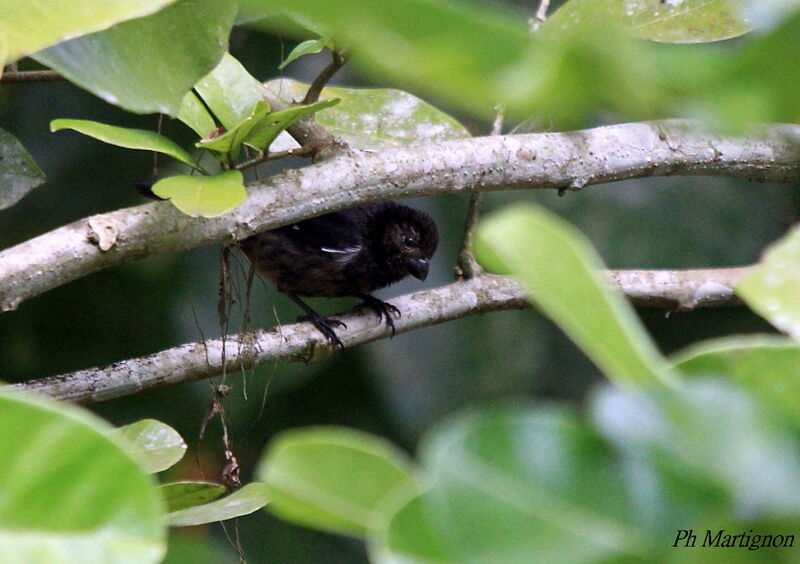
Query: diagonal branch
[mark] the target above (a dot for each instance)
(675, 289)
(570, 160)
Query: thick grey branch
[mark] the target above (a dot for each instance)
(301, 342)
(569, 160)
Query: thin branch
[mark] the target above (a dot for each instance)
(18, 77)
(264, 157)
(570, 160)
(338, 61)
(301, 342)
(466, 265)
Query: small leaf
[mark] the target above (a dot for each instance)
(27, 27)
(227, 145)
(182, 495)
(305, 48)
(207, 196)
(766, 365)
(563, 275)
(18, 171)
(243, 501)
(70, 492)
(772, 289)
(230, 92)
(374, 118)
(333, 479)
(156, 443)
(123, 137)
(267, 129)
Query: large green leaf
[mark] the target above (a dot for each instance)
(158, 445)
(18, 171)
(766, 365)
(207, 196)
(27, 27)
(70, 492)
(246, 500)
(194, 114)
(149, 64)
(409, 537)
(373, 118)
(230, 92)
(186, 494)
(772, 289)
(333, 479)
(123, 137)
(563, 275)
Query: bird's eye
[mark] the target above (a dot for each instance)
(410, 241)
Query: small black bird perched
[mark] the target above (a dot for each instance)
(351, 252)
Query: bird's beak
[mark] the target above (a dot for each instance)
(418, 268)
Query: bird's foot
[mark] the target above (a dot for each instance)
(325, 326)
(384, 310)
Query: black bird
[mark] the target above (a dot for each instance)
(351, 252)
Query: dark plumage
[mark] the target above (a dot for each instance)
(351, 252)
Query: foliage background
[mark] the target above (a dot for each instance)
(396, 388)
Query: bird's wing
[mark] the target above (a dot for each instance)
(337, 233)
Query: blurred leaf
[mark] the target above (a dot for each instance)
(70, 492)
(267, 129)
(207, 196)
(527, 485)
(182, 495)
(685, 21)
(228, 145)
(194, 114)
(373, 118)
(19, 173)
(712, 433)
(764, 15)
(333, 479)
(305, 48)
(230, 92)
(563, 275)
(27, 27)
(247, 499)
(140, 139)
(157, 444)
(408, 537)
(768, 366)
(772, 289)
(149, 64)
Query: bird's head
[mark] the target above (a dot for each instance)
(409, 240)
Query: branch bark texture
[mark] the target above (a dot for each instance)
(570, 160)
(301, 341)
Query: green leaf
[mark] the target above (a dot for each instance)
(228, 145)
(230, 92)
(186, 494)
(18, 171)
(123, 137)
(27, 27)
(333, 479)
(207, 196)
(767, 366)
(409, 537)
(194, 114)
(374, 118)
(266, 129)
(563, 275)
(158, 445)
(243, 501)
(308, 47)
(527, 485)
(772, 289)
(148, 64)
(70, 492)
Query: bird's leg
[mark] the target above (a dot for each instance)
(384, 310)
(323, 324)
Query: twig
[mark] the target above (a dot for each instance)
(322, 79)
(301, 342)
(467, 266)
(17, 77)
(264, 157)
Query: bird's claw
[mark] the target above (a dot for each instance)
(325, 326)
(384, 310)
